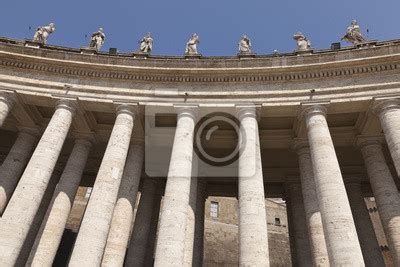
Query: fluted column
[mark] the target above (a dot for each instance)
(339, 229)
(253, 234)
(319, 252)
(48, 240)
(198, 248)
(170, 247)
(25, 201)
(299, 230)
(389, 114)
(6, 103)
(14, 164)
(385, 192)
(121, 224)
(92, 236)
(151, 243)
(366, 234)
(142, 226)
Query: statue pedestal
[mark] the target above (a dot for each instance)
(88, 51)
(30, 43)
(304, 52)
(140, 55)
(366, 44)
(246, 55)
(192, 56)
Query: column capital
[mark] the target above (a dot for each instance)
(300, 146)
(8, 98)
(382, 104)
(68, 104)
(85, 138)
(363, 141)
(186, 110)
(313, 108)
(130, 109)
(34, 131)
(248, 110)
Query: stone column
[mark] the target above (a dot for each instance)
(389, 114)
(142, 226)
(6, 103)
(151, 243)
(253, 235)
(122, 220)
(339, 229)
(366, 234)
(299, 230)
(93, 232)
(25, 201)
(385, 191)
(198, 249)
(319, 252)
(52, 228)
(14, 164)
(170, 247)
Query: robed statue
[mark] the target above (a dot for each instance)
(43, 32)
(353, 34)
(245, 45)
(146, 43)
(97, 39)
(191, 45)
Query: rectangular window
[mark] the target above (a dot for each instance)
(214, 209)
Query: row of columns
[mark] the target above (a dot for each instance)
(104, 232)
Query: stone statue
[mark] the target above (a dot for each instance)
(43, 32)
(302, 42)
(191, 45)
(97, 39)
(245, 45)
(146, 43)
(353, 34)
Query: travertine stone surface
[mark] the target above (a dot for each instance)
(365, 231)
(25, 201)
(142, 226)
(14, 164)
(339, 229)
(52, 228)
(170, 247)
(299, 230)
(122, 220)
(151, 243)
(318, 248)
(253, 235)
(389, 115)
(6, 103)
(385, 192)
(198, 248)
(92, 236)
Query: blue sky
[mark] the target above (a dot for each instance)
(219, 23)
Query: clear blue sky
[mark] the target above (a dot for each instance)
(219, 23)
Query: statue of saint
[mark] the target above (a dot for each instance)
(191, 45)
(245, 45)
(43, 32)
(302, 42)
(97, 39)
(353, 34)
(146, 43)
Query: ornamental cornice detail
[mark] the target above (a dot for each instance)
(199, 78)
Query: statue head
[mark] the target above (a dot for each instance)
(101, 30)
(52, 26)
(354, 22)
(148, 34)
(298, 36)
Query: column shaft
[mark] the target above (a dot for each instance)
(121, 224)
(385, 192)
(170, 247)
(6, 103)
(253, 235)
(198, 249)
(46, 244)
(366, 234)
(25, 201)
(339, 229)
(14, 164)
(389, 114)
(319, 252)
(151, 243)
(93, 232)
(299, 230)
(142, 226)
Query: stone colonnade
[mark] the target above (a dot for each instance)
(330, 225)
